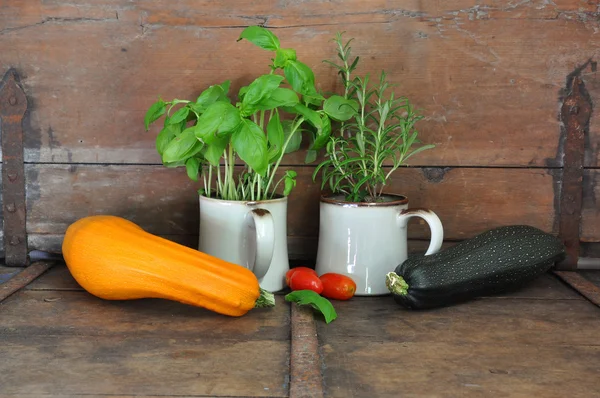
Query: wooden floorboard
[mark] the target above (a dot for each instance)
(526, 344)
(65, 342)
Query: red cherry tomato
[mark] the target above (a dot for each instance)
(337, 286)
(289, 274)
(306, 280)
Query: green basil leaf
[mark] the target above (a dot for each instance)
(182, 147)
(300, 77)
(323, 134)
(220, 116)
(250, 143)
(180, 115)
(210, 96)
(261, 37)
(282, 56)
(214, 151)
(280, 97)
(192, 166)
(311, 156)
(275, 137)
(289, 182)
(258, 90)
(166, 135)
(311, 116)
(296, 140)
(321, 304)
(155, 111)
(340, 108)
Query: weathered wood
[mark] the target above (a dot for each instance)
(23, 278)
(439, 369)
(141, 347)
(57, 278)
(478, 86)
(583, 285)
(60, 312)
(164, 201)
(511, 346)
(306, 380)
(590, 215)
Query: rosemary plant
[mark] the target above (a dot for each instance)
(378, 138)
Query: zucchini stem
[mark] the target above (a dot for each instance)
(266, 299)
(396, 284)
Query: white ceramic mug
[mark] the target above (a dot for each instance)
(367, 240)
(252, 234)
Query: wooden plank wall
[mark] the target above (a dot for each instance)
(488, 75)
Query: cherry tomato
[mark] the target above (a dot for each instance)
(289, 274)
(306, 280)
(337, 286)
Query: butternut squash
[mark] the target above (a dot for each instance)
(114, 259)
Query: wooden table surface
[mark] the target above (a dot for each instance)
(56, 340)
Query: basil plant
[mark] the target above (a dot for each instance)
(266, 121)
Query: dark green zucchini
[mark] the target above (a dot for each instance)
(492, 262)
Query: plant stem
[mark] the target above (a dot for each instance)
(285, 144)
(219, 192)
(210, 167)
(231, 183)
(206, 193)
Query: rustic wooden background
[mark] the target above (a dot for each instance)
(488, 75)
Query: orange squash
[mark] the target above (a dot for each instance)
(114, 259)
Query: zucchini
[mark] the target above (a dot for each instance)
(492, 262)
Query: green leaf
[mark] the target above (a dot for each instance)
(311, 116)
(165, 136)
(192, 166)
(311, 156)
(280, 97)
(250, 143)
(258, 90)
(214, 151)
(282, 56)
(182, 147)
(340, 108)
(321, 304)
(300, 77)
(275, 137)
(210, 96)
(220, 116)
(179, 116)
(296, 140)
(261, 37)
(289, 182)
(323, 134)
(155, 111)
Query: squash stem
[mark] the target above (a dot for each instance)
(266, 299)
(396, 284)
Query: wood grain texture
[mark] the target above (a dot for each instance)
(486, 99)
(163, 201)
(517, 346)
(142, 347)
(590, 214)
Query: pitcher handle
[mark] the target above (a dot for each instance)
(265, 241)
(435, 226)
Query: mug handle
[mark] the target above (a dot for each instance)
(435, 225)
(265, 241)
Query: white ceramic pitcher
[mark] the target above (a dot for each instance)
(367, 240)
(252, 234)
